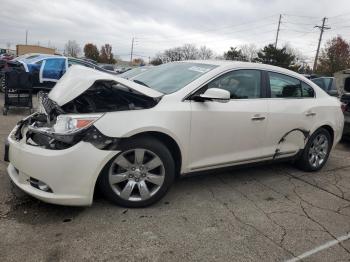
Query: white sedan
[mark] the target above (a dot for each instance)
(131, 138)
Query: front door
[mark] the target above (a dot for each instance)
(224, 134)
(52, 69)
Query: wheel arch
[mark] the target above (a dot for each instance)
(168, 141)
(326, 126)
(329, 129)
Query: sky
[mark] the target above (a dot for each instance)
(157, 25)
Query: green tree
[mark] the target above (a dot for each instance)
(334, 57)
(275, 56)
(234, 54)
(91, 52)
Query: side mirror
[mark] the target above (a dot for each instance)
(214, 94)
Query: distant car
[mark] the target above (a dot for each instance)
(46, 70)
(108, 67)
(135, 71)
(343, 81)
(6, 57)
(89, 60)
(327, 84)
(345, 99)
(121, 70)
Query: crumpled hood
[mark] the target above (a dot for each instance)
(78, 79)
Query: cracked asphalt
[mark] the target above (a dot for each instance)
(265, 213)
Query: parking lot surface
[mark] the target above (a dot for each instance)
(263, 213)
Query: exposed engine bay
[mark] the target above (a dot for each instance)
(60, 127)
(107, 96)
(103, 96)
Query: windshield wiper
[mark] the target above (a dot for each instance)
(140, 82)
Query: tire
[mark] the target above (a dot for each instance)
(149, 167)
(315, 147)
(2, 84)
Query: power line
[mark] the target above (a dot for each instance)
(216, 29)
(343, 14)
(296, 23)
(303, 16)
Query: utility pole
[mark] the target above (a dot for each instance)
(132, 49)
(278, 30)
(322, 29)
(26, 36)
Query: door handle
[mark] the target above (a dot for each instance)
(258, 118)
(310, 114)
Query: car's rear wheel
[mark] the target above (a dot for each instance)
(2, 84)
(316, 152)
(140, 174)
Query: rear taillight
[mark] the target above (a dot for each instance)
(343, 107)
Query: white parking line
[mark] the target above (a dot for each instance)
(320, 248)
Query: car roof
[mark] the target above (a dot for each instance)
(228, 64)
(38, 57)
(322, 77)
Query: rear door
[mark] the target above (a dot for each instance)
(52, 69)
(292, 114)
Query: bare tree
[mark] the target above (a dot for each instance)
(189, 52)
(172, 54)
(185, 52)
(205, 53)
(249, 52)
(106, 55)
(299, 56)
(72, 49)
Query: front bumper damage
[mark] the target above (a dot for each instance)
(64, 174)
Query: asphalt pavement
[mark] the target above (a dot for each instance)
(266, 213)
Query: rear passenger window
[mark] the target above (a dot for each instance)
(307, 90)
(283, 86)
(242, 84)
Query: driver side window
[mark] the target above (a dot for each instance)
(242, 84)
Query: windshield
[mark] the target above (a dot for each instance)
(169, 78)
(134, 72)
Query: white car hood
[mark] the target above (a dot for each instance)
(78, 79)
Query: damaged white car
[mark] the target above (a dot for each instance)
(131, 138)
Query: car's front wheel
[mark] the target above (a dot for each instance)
(140, 174)
(316, 152)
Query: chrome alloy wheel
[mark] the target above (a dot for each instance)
(136, 174)
(318, 150)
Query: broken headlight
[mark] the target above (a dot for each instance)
(67, 128)
(67, 124)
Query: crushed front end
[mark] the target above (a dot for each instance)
(57, 157)
(57, 153)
